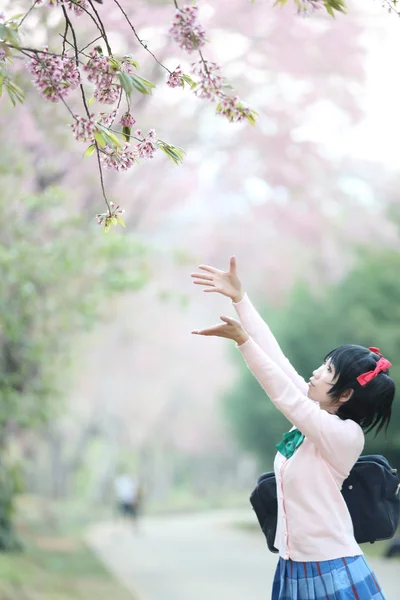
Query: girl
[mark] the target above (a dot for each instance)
(351, 392)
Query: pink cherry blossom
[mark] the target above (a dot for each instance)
(83, 128)
(174, 79)
(77, 6)
(186, 31)
(107, 95)
(114, 212)
(211, 81)
(54, 76)
(146, 147)
(98, 69)
(100, 72)
(233, 109)
(127, 120)
(107, 119)
(119, 159)
(307, 7)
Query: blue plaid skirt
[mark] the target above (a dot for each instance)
(340, 579)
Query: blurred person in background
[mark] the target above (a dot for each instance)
(128, 496)
(351, 392)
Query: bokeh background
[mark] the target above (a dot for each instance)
(99, 372)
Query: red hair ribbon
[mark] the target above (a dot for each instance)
(381, 365)
(376, 350)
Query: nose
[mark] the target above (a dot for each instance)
(316, 372)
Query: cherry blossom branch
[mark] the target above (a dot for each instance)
(33, 50)
(89, 44)
(190, 35)
(112, 77)
(103, 189)
(27, 13)
(81, 51)
(138, 38)
(64, 36)
(102, 27)
(37, 58)
(68, 20)
(133, 137)
(391, 6)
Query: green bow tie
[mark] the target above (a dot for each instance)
(290, 442)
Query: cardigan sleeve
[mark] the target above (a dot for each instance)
(340, 442)
(261, 333)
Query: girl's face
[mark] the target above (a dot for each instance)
(320, 384)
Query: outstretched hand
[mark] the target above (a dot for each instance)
(226, 283)
(230, 328)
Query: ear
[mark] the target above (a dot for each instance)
(345, 397)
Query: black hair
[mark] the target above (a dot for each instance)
(371, 405)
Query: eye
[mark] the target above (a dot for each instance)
(329, 368)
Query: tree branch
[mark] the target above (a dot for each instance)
(64, 36)
(141, 42)
(24, 17)
(76, 59)
(102, 27)
(99, 27)
(36, 57)
(101, 177)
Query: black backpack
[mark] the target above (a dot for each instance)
(371, 492)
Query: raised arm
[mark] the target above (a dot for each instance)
(228, 284)
(340, 442)
(257, 328)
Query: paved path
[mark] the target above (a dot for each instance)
(200, 557)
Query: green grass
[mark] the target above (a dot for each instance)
(55, 564)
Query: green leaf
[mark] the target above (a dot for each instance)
(89, 151)
(15, 18)
(98, 136)
(132, 61)
(173, 152)
(15, 90)
(9, 34)
(126, 83)
(121, 221)
(252, 117)
(187, 79)
(144, 86)
(126, 133)
(91, 100)
(114, 64)
(110, 137)
(11, 95)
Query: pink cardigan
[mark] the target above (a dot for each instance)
(313, 520)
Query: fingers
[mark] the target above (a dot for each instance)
(209, 269)
(215, 330)
(226, 319)
(232, 264)
(207, 283)
(202, 276)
